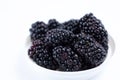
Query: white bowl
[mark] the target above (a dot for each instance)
(36, 72)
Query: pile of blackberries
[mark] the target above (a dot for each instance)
(74, 45)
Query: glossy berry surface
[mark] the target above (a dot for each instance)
(38, 30)
(89, 24)
(71, 25)
(91, 52)
(66, 58)
(56, 37)
(41, 56)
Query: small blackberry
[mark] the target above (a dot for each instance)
(53, 23)
(89, 24)
(41, 56)
(91, 52)
(38, 30)
(66, 58)
(57, 37)
(71, 25)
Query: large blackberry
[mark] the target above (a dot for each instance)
(57, 37)
(66, 58)
(91, 52)
(89, 24)
(38, 30)
(41, 56)
(72, 25)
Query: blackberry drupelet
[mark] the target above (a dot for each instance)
(66, 58)
(91, 52)
(41, 56)
(57, 37)
(72, 25)
(38, 30)
(39, 42)
(37, 36)
(89, 24)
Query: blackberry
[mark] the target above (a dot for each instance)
(53, 23)
(89, 24)
(57, 37)
(38, 30)
(66, 58)
(41, 56)
(91, 52)
(71, 25)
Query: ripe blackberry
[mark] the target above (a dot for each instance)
(91, 52)
(71, 25)
(41, 56)
(53, 23)
(66, 58)
(89, 24)
(57, 37)
(38, 30)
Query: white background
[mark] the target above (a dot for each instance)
(16, 17)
